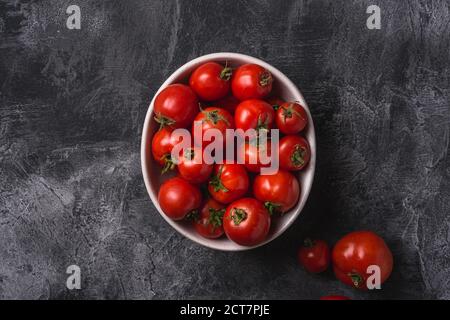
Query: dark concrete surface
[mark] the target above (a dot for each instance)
(72, 105)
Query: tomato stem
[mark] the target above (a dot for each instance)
(272, 207)
(215, 217)
(226, 73)
(356, 279)
(215, 117)
(298, 156)
(265, 78)
(164, 121)
(238, 215)
(168, 163)
(216, 183)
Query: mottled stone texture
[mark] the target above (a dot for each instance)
(72, 105)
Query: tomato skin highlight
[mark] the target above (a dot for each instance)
(209, 224)
(355, 252)
(314, 255)
(294, 152)
(192, 166)
(230, 182)
(254, 114)
(246, 222)
(280, 191)
(177, 198)
(291, 118)
(251, 81)
(335, 297)
(211, 81)
(176, 106)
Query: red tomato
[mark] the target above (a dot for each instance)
(314, 256)
(229, 103)
(335, 298)
(279, 192)
(294, 153)
(254, 114)
(211, 81)
(209, 222)
(229, 182)
(252, 156)
(291, 118)
(192, 166)
(162, 145)
(176, 106)
(177, 198)
(355, 252)
(246, 222)
(275, 102)
(214, 118)
(251, 81)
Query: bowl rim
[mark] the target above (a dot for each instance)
(145, 139)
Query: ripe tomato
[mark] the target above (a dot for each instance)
(229, 182)
(251, 81)
(335, 298)
(355, 252)
(192, 166)
(176, 106)
(314, 256)
(291, 118)
(177, 198)
(229, 103)
(254, 114)
(209, 222)
(246, 222)
(294, 153)
(214, 118)
(275, 102)
(252, 157)
(162, 145)
(279, 192)
(211, 81)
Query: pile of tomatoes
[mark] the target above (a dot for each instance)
(354, 258)
(229, 198)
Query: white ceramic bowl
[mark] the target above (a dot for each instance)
(152, 172)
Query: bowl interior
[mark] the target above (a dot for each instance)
(284, 88)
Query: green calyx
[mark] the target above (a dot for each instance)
(216, 183)
(298, 156)
(164, 121)
(168, 163)
(214, 117)
(215, 217)
(289, 112)
(357, 280)
(226, 73)
(265, 79)
(238, 215)
(272, 207)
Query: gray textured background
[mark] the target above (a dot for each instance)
(72, 105)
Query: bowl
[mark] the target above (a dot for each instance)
(152, 172)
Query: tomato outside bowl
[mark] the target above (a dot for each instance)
(151, 171)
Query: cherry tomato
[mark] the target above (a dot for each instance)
(211, 81)
(336, 297)
(275, 102)
(355, 252)
(294, 152)
(162, 145)
(176, 106)
(229, 103)
(314, 256)
(192, 166)
(254, 114)
(177, 198)
(279, 192)
(251, 81)
(246, 222)
(252, 155)
(229, 182)
(209, 222)
(291, 118)
(214, 118)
